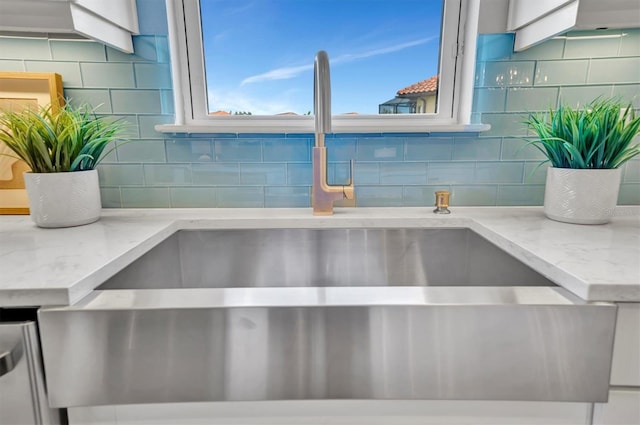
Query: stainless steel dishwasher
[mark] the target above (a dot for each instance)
(23, 398)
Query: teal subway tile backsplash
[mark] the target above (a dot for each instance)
(564, 72)
(70, 71)
(615, 70)
(428, 149)
(108, 75)
(110, 197)
(25, 48)
(241, 197)
(135, 101)
(531, 99)
(403, 173)
(629, 194)
(380, 149)
(77, 50)
(518, 195)
(98, 100)
(167, 174)
(630, 42)
(216, 174)
(299, 174)
(152, 75)
(507, 74)
(514, 148)
(142, 151)
(192, 197)
(274, 169)
(189, 150)
(11, 65)
(379, 196)
(473, 195)
(121, 174)
(451, 173)
(594, 47)
(145, 197)
(288, 150)
(499, 172)
(475, 148)
(287, 196)
(237, 150)
(266, 174)
(580, 96)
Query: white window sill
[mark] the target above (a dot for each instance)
(298, 125)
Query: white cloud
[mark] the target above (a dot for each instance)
(286, 73)
(277, 74)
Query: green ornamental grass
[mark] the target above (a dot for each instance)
(600, 135)
(52, 141)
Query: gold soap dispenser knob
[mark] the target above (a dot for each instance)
(442, 202)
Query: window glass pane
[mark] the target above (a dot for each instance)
(259, 55)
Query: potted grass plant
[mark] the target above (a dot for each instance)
(586, 148)
(62, 146)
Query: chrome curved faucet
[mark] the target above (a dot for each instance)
(323, 195)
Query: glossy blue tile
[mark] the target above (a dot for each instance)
(341, 149)
(380, 149)
(494, 47)
(121, 175)
(287, 197)
(499, 172)
(416, 196)
(450, 172)
(136, 101)
(147, 125)
(167, 174)
(77, 50)
(521, 195)
(152, 75)
(237, 150)
(629, 194)
(403, 173)
(240, 197)
(189, 150)
(192, 197)
(263, 173)
(525, 99)
(631, 171)
(570, 72)
(428, 149)
(615, 70)
(472, 148)
(379, 196)
(107, 75)
(70, 71)
(110, 197)
(287, 150)
(299, 174)
(215, 174)
(477, 195)
(99, 100)
(490, 99)
(507, 74)
(366, 173)
(24, 48)
(145, 197)
(142, 151)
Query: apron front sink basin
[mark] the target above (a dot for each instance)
(289, 314)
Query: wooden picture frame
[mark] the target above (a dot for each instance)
(20, 90)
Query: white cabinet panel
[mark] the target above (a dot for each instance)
(623, 408)
(625, 370)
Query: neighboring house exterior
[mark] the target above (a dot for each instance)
(418, 98)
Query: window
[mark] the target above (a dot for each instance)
(247, 65)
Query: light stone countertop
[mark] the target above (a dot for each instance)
(60, 266)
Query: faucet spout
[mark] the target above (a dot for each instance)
(323, 195)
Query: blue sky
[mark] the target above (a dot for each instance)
(259, 53)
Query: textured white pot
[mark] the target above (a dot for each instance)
(63, 199)
(587, 196)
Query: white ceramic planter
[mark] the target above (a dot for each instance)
(581, 196)
(63, 199)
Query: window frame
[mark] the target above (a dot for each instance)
(455, 91)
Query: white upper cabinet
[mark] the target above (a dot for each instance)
(111, 22)
(536, 21)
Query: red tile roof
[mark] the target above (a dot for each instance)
(219, 113)
(430, 85)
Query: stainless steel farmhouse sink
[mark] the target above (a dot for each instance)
(285, 314)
